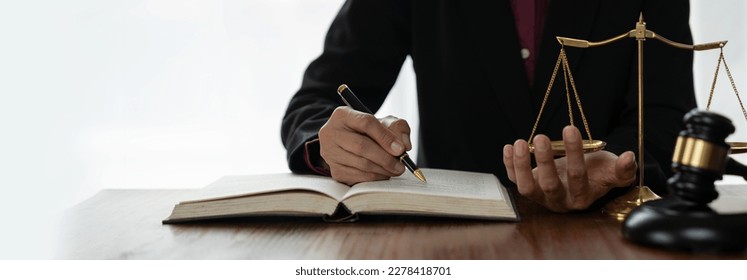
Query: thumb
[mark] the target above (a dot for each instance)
(399, 127)
(625, 169)
(370, 126)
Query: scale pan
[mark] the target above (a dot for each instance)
(558, 148)
(738, 147)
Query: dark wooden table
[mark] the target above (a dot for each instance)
(126, 224)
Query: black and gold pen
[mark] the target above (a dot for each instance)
(351, 100)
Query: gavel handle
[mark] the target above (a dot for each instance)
(734, 167)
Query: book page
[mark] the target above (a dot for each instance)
(440, 182)
(244, 185)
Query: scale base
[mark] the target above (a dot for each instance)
(621, 206)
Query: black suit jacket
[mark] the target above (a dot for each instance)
(473, 93)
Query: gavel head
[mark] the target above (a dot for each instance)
(700, 156)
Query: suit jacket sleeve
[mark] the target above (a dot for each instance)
(365, 47)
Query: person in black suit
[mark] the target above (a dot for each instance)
(482, 69)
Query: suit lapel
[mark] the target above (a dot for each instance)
(493, 33)
(573, 19)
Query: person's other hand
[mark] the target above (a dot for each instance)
(358, 147)
(569, 183)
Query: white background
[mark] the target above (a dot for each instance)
(99, 94)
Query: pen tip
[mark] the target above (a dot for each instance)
(341, 88)
(420, 175)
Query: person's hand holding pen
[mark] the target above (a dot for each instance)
(358, 147)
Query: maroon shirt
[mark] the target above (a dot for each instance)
(529, 16)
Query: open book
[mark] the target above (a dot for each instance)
(447, 193)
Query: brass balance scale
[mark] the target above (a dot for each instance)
(620, 207)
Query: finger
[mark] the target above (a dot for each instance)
(547, 173)
(523, 171)
(367, 155)
(508, 161)
(625, 169)
(338, 156)
(554, 195)
(399, 127)
(336, 135)
(351, 176)
(577, 179)
(367, 124)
